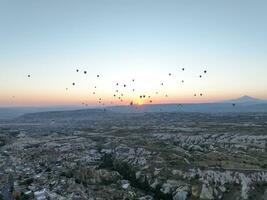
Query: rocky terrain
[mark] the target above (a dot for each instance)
(102, 155)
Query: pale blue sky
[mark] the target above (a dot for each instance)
(122, 39)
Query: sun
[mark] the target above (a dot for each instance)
(140, 102)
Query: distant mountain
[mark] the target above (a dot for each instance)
(121, 111)
(242, 104)
(246, 100)
(80, 114)
(12, 112)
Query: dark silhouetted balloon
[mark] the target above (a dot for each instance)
(85, 72)
(73, 84)
(205, 71)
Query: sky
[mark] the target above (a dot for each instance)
(121, 40)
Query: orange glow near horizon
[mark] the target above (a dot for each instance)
(37, 92)
(66, 99)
